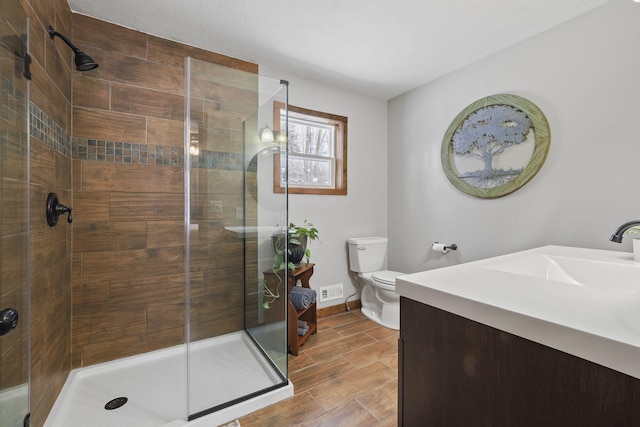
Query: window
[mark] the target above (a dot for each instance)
(317, 152)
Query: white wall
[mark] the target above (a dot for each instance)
(585, 76)
(363, 211)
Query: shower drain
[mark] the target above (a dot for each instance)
(115, 403)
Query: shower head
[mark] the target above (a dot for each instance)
(83, 61)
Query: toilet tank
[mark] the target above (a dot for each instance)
(367, 254)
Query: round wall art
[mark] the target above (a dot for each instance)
(495, 146)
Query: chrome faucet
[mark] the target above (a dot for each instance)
(617, 235)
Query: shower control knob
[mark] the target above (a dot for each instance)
(55, 209)
(8, 320)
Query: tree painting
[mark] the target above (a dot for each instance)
(487, 133)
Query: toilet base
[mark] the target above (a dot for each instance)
(380, 305)
(375, 317)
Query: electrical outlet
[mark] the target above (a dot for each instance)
(239, 213)
(215, 207)
(328, 293)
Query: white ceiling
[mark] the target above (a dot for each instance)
(381, 48)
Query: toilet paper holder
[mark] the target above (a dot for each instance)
(441, 247)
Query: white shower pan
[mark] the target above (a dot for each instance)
(155, 387)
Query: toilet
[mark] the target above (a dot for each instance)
(380, 302)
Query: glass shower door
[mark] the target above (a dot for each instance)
(265, 216)
(227, 362)
(14, 218)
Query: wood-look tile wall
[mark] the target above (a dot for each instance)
(124, 281)
(220, 101)
(50, 308)
(14, 284)
(128, 234)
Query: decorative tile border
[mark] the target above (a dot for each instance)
(99, 150)
(48, 131)
(9, 107)
(144, 154)
(218, 160)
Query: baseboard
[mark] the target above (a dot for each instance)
(337, 309)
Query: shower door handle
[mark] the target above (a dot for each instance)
(8, 320)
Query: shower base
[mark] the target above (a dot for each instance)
(155, 385)
(14, 406)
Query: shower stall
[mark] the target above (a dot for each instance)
(233, 358)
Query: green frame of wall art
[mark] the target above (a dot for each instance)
(539, 155)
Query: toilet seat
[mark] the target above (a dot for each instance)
(386, 279)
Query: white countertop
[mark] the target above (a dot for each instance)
(599, 322)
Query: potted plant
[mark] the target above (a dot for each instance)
(296, 238)
(297, 250)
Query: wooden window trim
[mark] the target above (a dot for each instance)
(340, 152)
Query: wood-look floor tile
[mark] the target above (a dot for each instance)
(379, 351)
(352, 385)
(343, 345)
(382, 402)
(289, 412)
(314, 375)
(360, 325)
(338, 320)
(346, 375)
(389, 422)
(381, 333)
(391, 361)
(350, 414)
(322, 339)
(299, 362)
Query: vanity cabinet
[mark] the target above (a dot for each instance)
(457, 372)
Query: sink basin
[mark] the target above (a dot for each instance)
(585, 302)
(610, 277)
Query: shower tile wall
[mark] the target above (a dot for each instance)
(14, 361)
(128, 238)
(50, 306)
(127, 215)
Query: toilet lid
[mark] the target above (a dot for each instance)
(386, 276)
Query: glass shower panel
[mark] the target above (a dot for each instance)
(14, 218)
(265, 215)
(225, 364)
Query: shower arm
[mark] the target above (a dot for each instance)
(53, 33)
(83, 61)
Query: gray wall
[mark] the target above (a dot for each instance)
(363, 211)
(584, 75)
